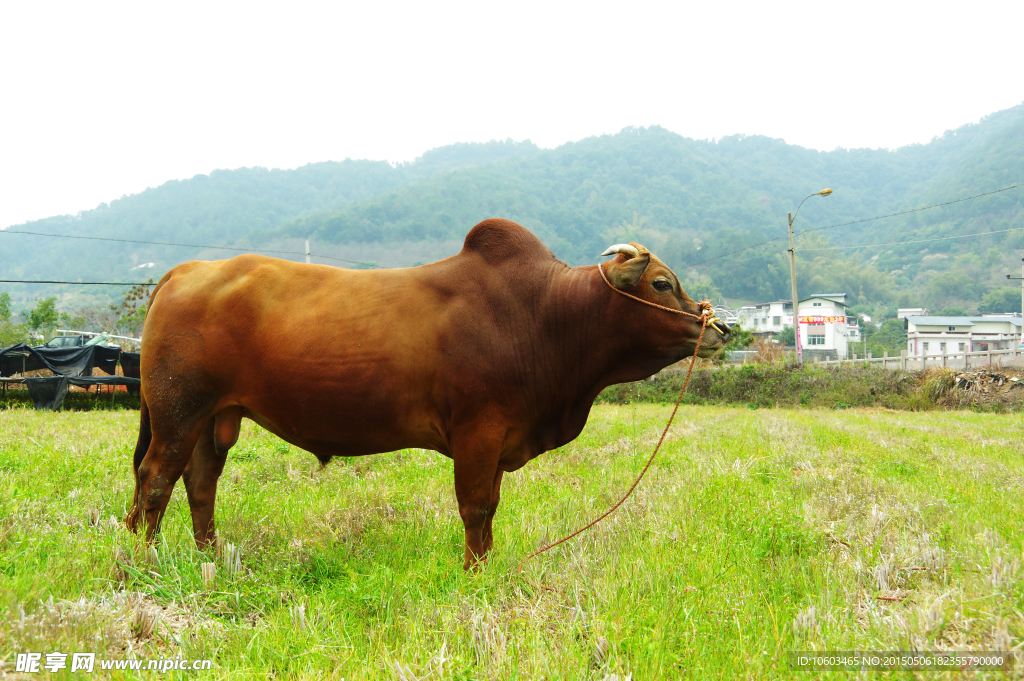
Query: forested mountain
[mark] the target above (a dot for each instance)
(215, 209)
(694, 202)
(961, 271)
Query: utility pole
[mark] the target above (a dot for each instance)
(307, 251)
(792, 272)
(796, 301)
(1021, 277)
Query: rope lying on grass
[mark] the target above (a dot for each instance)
(707, 316)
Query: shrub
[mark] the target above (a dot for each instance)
(791, 384)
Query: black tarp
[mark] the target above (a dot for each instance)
(48, 392)
(132, 369)
(72, 361)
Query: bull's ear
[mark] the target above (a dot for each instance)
(625, 273)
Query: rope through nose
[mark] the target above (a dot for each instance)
(707, 310)
(706, 317)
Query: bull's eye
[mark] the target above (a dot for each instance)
(662, 285)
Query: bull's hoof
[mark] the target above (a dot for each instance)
(210, 542)
(132, 523)
(473, 562)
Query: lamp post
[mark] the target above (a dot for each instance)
(792, 272)
(1021, 277)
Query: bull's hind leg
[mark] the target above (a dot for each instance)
(179, 402)
(163, 464)
(204, 470)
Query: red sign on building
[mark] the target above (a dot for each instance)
(822, 320)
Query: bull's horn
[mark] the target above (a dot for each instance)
(631, 251)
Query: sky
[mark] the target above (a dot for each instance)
(98, 100)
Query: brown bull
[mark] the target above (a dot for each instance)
(489, 357)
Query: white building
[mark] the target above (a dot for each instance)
(853, 330)
(767, 317)
(934, 335)
(904, 312)
(727, 314)
(825, 328)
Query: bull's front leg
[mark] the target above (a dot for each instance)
(495, 498)
(477, 481)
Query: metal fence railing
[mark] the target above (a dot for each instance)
(954, 360)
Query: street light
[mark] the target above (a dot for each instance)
(1021, 277)
(792, 272)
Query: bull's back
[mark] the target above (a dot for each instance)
(329, 359)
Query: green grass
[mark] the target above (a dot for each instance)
(757, 532)
(74, 401)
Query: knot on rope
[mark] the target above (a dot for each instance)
(708, 316)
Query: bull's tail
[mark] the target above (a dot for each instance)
(145, 427)
(135, 515)
(145, 433)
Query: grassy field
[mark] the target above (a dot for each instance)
(756, 533)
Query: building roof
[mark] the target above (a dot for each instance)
(774, 302)
(1013, 318)
(834, 297)
(936, 320)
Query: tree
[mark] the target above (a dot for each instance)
(739, 339)
(891, 338)
(72, 320)
(10, 333)
(131, 313)
(1000, 300)
(5, 307)
(953, 312)
(955, 287)
(788, 336)
(702, 289)
(43, 317)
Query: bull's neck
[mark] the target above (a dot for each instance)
(587, 325)
(597, 323)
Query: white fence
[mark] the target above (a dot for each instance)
(954, 360)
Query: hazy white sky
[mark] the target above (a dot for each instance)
(103, 99)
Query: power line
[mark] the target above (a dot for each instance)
(167, 243)
(854, 222)
(915, 210)
(80, 283)
(738, 250)
(916, 241)
(355, 262)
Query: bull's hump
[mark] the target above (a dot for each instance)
(499, 240)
